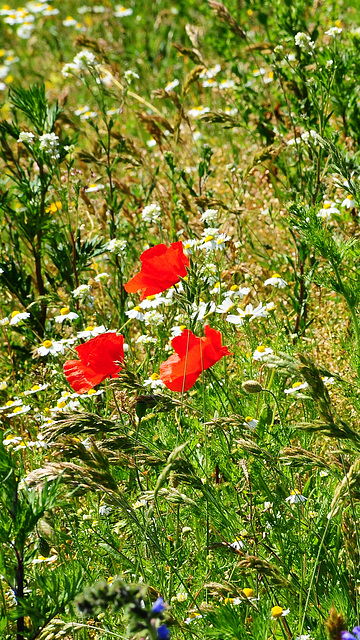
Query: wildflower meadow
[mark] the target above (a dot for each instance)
(180, 320)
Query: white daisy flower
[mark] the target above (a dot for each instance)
(91, 331)
(295, 497)
(250, 423)
(35, 389)
(262, 351)
(211, 72)
(42, 559)
(129, 75)
(333, 32)
(154, 381)
(69, 22)
(259, 72)
(172, 85)
(3, 385)
(189, 245)
(66, 314)
(90, 394)
(348, 203)
(152, 302)
(227, 84)
(122, 12)
(209, 83)
(93, 188)
(135, 313)
(278, 612)
(237, 292)
(327, 209)
(202, 310)
(276, 281)
(237, 544)
(196, 112)
(297, 386)
(19, 410)
(52, 347)
(4, 322)
(177, 330)
(225, 306)
(18, 316)
(194, 615)
(250, 312)
(328, 380)
(11, 403)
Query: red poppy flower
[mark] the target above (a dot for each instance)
(193, 355)
(99, 359)
(161, 268)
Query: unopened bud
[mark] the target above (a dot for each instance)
(252, 386)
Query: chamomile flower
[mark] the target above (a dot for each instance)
(172, 85)
(51, 347)
(238, 543)
(226, 84)
(209, 83)
(69, 22)
(196, 112)
(262, 351)
(93, 188)
(249, 313)
(91, 331)
(177, 330)
(237, 292)
(92, 393)
(328, 380)
(225, 306)
(19, 410)
(10, 404)
(154, 381)
(295, 497)
(66, 314)
(122, 12)
(85, 113)
(278, 612)
(348, 203)
(276, 281)
(189, 245)
(333, 32)
(211, 72)
(297, 386)
(3, 385)
(193, 617)
(251, 423)
(259, 72)
(129, 75)
(327, 210)
(35, 389)
(135, 313)
(152, 302)
(18, 316)
(42, 559)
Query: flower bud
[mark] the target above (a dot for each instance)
(252, 386)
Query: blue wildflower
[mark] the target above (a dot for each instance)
(355, 635)
(163, 632)
(158, 606)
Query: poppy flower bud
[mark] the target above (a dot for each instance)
(252, 386)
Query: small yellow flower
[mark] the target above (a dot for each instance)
(276, 612)
(249, 593)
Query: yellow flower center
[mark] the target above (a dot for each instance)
(295, 492)
(64, 311)
(208, 238)
(15, 313)
(92, 186)
(182, 327)
(271, 74)
(276, 275)
(217, 285)
(256, 71)
(61, 404)
(47, 344)
(229, 600)
(154, 376)
(17, 409)
(91, 392)
(327, 205)
(186, 246)
(35, 387)
(249, 418)
(234, 287)
(249, 593)
(276, 612)
(296, 384)
(9, 403)
(150, 297)
(89, 328)
(261, 349)
(137, 308)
